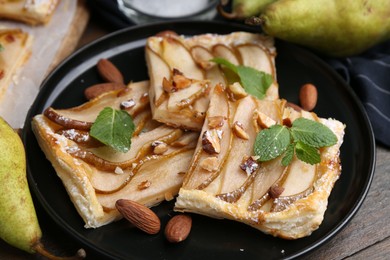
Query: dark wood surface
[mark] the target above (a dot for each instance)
(366, 236)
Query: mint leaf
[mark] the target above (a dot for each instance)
(288, 155)
(307, 153)
(253, 81)
(113, 128)
(312, 133)
(271, 142)
(226, 63)
(1, 47)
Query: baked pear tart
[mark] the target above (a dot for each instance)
(96, 175)
(15, 50)
(285, 195)
(28, 11)
(182, 72)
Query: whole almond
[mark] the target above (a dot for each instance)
(109, 72)
(178, 228)
(308, 97)
(98, 89)
(139, 215)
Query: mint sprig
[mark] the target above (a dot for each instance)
(304, 138)
(254, 82)
(113, 128)
(1, 47)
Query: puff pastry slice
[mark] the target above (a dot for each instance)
(95, 176)
(182, 75)
(33, 12)
(16, 49)
(225, 180)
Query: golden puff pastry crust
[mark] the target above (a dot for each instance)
(181, 73)
(33, 12)
(287, 202)
(16, 49)
(95, 176)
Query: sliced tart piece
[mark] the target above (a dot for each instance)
(29, 11)
(15, 51)
(96, 176)
(225, 180)
(182, 75)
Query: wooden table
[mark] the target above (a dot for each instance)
(367, 236)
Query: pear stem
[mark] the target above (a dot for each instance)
(223, 13)
(40, 249)
(255, 20)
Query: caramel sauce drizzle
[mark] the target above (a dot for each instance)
(234, 196)
(258, 203)
(104, 165)
(139, 163)
(66, 122)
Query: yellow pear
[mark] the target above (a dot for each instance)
(335, 27)
(19, 224)
(18, 221)
(244, 8)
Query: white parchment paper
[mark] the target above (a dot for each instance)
(26, 83)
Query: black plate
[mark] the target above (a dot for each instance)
(209, 238)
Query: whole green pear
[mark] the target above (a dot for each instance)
(335, 27)
(19, 224)
(248, 8)
(18, 221)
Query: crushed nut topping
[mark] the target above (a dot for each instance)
(263, 120)
(159, 147)
(209, 164)
(237, 90)
(239, 131)
(211, 141)
(179, 81)
(9, 38)
(249, 165)
(144, 185)
(118, 170)
(144, 98)
(275, 191)
(287, 122)
(216, 121)
(127, 104)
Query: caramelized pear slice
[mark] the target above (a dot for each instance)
(223, 51)
(259, 58)
(177, 56)
(163, 183)
(89, 111)
(158, 70)
(197, 177)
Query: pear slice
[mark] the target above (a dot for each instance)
(95, 176)
(16, 46)
(191, 56)
(288, 202)
(258, 57)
